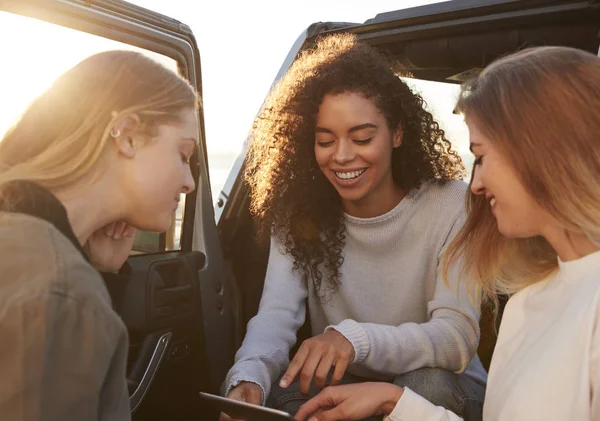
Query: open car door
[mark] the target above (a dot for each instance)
(175, 294)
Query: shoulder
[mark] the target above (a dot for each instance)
(444, 193)
(589, 289)
(40, 263)
(441, 204)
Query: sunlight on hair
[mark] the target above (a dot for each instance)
(38, 54)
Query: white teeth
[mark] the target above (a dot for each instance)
(492, 201)
(349, 175)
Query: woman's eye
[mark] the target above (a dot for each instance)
(363, 141)
(324, 143)
(478, 160)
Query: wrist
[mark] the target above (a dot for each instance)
(356, 335)
(392, 396)
(251, 390)
(103, 269)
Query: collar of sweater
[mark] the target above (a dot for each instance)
(575, 269)
(30, 198)
(406, 201)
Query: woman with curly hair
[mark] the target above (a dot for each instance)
(358, 187)
(533, 232)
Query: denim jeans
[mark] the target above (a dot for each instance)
(455, 392)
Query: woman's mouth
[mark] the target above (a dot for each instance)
(349, 175)
(349, 178)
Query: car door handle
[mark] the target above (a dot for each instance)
(173, 295)
(157, 356)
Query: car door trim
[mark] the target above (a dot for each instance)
(157, 357)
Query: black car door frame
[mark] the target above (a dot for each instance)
(134, 25)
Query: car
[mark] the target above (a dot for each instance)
(187, 295)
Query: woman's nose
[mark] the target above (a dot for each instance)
(188, 184)
(477, 186)
(344, 152)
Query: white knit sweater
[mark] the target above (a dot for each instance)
(546, 365)
(393, 305)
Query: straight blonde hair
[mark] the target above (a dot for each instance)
(541, 108)
(61, 136)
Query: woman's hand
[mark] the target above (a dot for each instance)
(351, 402)
(316, 357)
(108, 248)
(245, 392)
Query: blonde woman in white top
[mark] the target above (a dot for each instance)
(533, 231)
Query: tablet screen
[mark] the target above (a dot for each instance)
(245, 411)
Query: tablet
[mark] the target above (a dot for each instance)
(245, 411)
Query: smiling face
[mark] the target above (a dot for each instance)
(518, 215)
(158, 172)
(353, 148)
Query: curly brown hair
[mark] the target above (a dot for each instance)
(289, 194)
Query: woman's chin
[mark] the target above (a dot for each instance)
(505, 231)
(158, 225)
(162, 227)
(351, 195)
(514, 232)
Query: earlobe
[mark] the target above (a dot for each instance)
(125, 146)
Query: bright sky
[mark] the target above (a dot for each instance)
(242, 46)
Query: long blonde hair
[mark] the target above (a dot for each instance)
(540, 107)
(61, 136)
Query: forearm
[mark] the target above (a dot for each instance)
(412, 407)
(264, 354)
(447, 341)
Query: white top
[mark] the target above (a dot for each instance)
(392, 305)
(546, 365)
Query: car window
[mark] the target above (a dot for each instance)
(441, 100)
(34, 53)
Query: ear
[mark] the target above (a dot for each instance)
(397, 136)
(123, 134)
